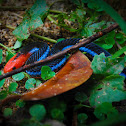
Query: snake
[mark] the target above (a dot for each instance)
(37, 51)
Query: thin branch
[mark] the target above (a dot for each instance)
(61, 53)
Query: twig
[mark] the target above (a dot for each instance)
(8, 49)
(61, 53)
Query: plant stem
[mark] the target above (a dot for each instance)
(44, 38)
(7, 48)
(56, 11)
(35, 35)
(51, 19)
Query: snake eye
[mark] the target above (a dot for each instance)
(14, 68)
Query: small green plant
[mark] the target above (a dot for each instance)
(7, 112)
(37, 111)
(46, 73)
(30, 83)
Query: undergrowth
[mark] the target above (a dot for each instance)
(105, 88)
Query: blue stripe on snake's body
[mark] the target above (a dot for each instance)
(39, 54)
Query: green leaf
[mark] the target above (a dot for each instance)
(35, 22)
(1, 56)
(106, 46)
(57, 114)
(119, 52)
(120, 38)
(8, 56)
(30, 83)
(31, 20)
(119, 35)
(80, 96)
(110, 89)
(60, 39)
(80, 13)
(38, 82)
(47, 73)
(55, 103)
(3, 94)
(93, 5)
(17, 44)
(18, 77)
(105, 110)
(77, 2)
(108, 9)
(1, 81)
(117, 119)
(13, 86)
(85, 1)
(107, 65)
(21, 32)
(37, 111)
(110, 40)
(20, 103)
(7, 112)
(82, 117)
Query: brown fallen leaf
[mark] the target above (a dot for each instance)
(75, 72)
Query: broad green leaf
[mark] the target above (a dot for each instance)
(30, 83)
(1, 56)
(107, 65)
(82, 117)
(31, 20)
(35, 22)
(13, 86)
(47, 73)
(22, 32)
(110, 89)
(1, 81)
(17, 44)
(105, 110)
(38, 9)
(3, 94)
(18, 77)
(57, 114)
(20, 103)
(80, 97)
(37, 111)
(8, 56)
(7, 112)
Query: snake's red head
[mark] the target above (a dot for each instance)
(16, 62)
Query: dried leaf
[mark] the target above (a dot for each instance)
(76, 71)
